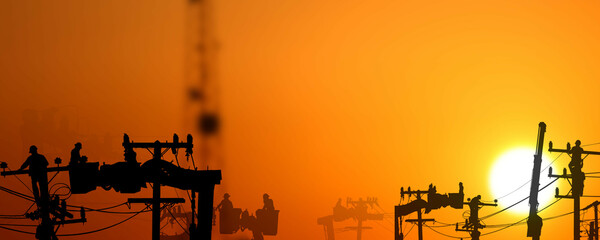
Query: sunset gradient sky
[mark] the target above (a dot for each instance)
(320, 100)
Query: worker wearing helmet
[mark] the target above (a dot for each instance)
(268, 203)
(75, 154)
(225, 204)
(575, 166)
(37, 164)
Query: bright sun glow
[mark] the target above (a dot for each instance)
(511, 171)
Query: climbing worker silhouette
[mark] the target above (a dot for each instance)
(268, 203)
(75, 155)
(576, 161)
(575, 166)
(474, 207)
(37, 164)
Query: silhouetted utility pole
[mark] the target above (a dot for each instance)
(419, 219)
(473, 223)
(358, 212)
(361, 213)
(534, 222)
(155, 201)
(577, 177)
(434, 201)
(46, 207)
(594, 224)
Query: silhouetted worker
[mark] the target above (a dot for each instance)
(474, 207)
(37, 164)
(268, 203)
(130, 155)
(226, 204)
(575, 166)
(576, 161)
(432, 189)
(340, 213)
(75, 154)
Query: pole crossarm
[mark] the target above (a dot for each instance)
(420, 220)
(483, 204)
(152, 200)
(564, 175)
(568, 150)
(24, 171)
(594, 204)
(158, 144)
(83, 220)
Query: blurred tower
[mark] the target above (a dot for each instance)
(202, 93)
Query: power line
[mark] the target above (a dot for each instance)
(506, 225)
(525, 184)
(21, 181)
(18, 194)
(590, 144)
(443, 234)
(16, 230)
(103, 210)
(510, 225)
(514, 204)
(18, 225)
(185, 230)
(409, 230)
(101, 229)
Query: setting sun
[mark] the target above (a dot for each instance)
(510, 180)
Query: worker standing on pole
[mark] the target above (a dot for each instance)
(575, 166)
(38, 171)
(37, 164)
(474, 207)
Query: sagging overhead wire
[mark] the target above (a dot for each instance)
(81, 233)
(101, 229)
(178, 223)
(443, 234)
(31, 191)
(104, 210)
(508, 225)
(520, 201)
(18, 194)
(525, 184)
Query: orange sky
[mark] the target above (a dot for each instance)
(319, 99)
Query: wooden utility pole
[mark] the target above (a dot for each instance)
(419, 219)
(473, 224)
(155, 201)
(45, 230)
(594, 224)
(577, 177)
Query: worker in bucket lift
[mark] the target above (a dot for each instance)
(75, 154)
(225, 207)
(37, 164)
(226, 204)
(268, 203)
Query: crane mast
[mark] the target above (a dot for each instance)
(534, 223)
